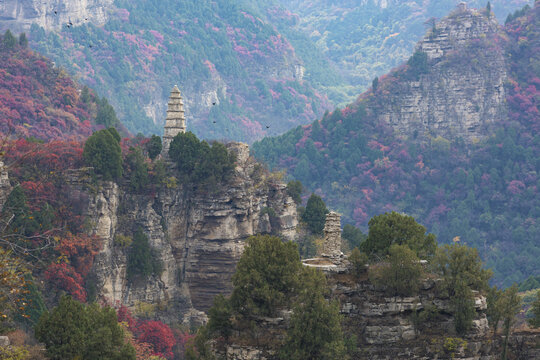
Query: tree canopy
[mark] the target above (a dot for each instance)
(76, 331)
(394, 228)
(315, 214)
(266, 276)
(102, 151)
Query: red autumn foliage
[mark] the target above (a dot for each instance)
(80, 249)
(39, 100)
(64, 277)
(159, 335)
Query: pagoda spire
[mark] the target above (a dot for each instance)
(175, 122)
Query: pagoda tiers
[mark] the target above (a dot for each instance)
(175, 122)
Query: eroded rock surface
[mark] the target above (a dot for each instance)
(463, 92)
(198, 235)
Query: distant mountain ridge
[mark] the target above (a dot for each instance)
(477, 184)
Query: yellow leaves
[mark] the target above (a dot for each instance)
(456, 239)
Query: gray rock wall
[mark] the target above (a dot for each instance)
(18, 15)
(460, 96)
(198, 236)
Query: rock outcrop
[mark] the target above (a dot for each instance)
(197, 234)
(385, 327)
(5, 186)
(462, 92)
(19, 15)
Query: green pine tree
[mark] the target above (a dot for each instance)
(102, 151)
(315, 214)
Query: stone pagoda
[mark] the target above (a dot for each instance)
(332, 235)
(175, 122)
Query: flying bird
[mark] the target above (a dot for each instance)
(268, 126)
(213, 103)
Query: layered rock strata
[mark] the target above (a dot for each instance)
(198, 235)
(462, 93)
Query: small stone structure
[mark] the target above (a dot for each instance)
(175, 122)
(332, 235)
(462, 6)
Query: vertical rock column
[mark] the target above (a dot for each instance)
(175, 122)
(332, 235)
(5, 187)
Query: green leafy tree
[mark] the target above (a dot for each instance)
(266, 276)
(418, 64)
(154, 147)
(315, 329)
(461, 270)
(394, 228)
(9, 40)
(510, 306)
(375, 84)
(142, 261)
(402, 273)
(102, 151)
(214, 164)
(534, 321)
(75, 331)
(295, 189)
(315, 214)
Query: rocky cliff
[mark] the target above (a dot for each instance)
(384, 327)
(19, 15)
(197, 235)
(462, 91)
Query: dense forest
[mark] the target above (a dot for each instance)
(40, 100)
(483, 194)
(227, 52)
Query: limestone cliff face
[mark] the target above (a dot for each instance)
(5, 186)
(462, 93)
(383, 325)
(198, 236)
(18, 15)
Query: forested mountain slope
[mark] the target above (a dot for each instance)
(481, 191)
(240, 77)
(39, 100)
(367, 38)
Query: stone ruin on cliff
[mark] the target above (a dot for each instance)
(332, 235)
(175, 122)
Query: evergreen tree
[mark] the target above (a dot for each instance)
(23, 40)
(106, 115)
(154, 147)
(75, 331)
(401, 275)
(185, 150)
(219, 316)
(141, 260)
(136, 170)
(295, 189)
(461, 271)
(394, 228)
(315, 214)
(511, 305)
(9, 40)
(353, 236)
(266, 276)
(494, 309)
(535, 309)
(102, 151)
(488, 9)
(375, 84)
(315, 329)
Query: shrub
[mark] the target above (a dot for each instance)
(122, 240)
(154, 147)
(294, 189)
(359, 260)
(401, 275)
(142, 261)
